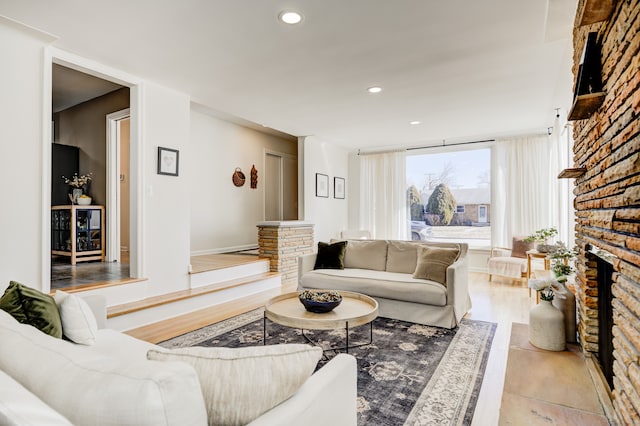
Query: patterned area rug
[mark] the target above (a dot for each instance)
(410, 375)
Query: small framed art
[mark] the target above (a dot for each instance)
(338, 188)
(322, 185)
(168, 161)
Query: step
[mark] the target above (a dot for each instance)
(200, 277)
(152, 309)
(169, 328)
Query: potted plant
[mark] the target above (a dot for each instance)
(541, 236)
(560, 255)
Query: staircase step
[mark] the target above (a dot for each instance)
(181, 324)
(154, 301)
(233, 268)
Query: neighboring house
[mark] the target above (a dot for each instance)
(474, 206)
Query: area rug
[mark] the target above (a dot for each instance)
(410, 375)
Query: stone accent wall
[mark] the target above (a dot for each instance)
(608, 198)
(282, 243)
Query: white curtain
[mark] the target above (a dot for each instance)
(527, 194)
(383, 200)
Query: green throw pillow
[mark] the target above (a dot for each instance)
(330, 256)
(10, 302)
(35, 308)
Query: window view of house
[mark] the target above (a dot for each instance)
(449, 193)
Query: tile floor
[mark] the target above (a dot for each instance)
(539, 387)
(66, 276)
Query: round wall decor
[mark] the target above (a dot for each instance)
(238, 177)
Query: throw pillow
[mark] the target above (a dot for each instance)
(78, 322)
(36, 308)
(519, 247)
(330, 256)
(240, 384)
(366, 254)
(10, 302)
(402, 256)
(433, 263)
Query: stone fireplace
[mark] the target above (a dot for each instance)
(607, 147)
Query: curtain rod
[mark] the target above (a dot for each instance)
(444, 145)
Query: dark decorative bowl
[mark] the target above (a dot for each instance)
(311, 304)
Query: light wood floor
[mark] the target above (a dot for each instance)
(211, 262)
(502, 301)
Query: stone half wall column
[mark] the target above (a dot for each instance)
(282, 242)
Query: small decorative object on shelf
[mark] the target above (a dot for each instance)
(320, 302)
(546, 322)
(77, 186)
(541, 236)
(84, 200)
(254, 177)
(238, 177)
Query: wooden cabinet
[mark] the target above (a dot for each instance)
(78, 232)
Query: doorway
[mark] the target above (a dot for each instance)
(80, 103)
(281, 186)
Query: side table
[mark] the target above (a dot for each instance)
(535, 254)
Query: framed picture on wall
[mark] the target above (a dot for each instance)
(168, 161)
(322, 185)
(338, 188)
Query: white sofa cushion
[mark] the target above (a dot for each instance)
(239, 384)
(19, 407)
(90, 387)
(78, 322)
(366, 254)
(389, 285)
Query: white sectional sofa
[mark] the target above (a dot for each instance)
(384, 270)
(45, 380)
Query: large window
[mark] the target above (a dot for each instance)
(449, 193)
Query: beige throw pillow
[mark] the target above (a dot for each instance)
(402, 256)
(240, 384)
(433, 263)
(366, 254)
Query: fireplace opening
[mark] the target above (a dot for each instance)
(605, 313)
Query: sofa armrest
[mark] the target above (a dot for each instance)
(458, 287)
(328, 397)
(305, 264)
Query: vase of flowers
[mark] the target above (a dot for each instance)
(546, 322)
(541, 237)
(560, 257)
(77, 186)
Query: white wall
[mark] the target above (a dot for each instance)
(165, 118)
(329, 215)
(223, 216)
(21, 149)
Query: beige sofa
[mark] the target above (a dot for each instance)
(45, 380)
(383, 269)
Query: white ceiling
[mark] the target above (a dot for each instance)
(466, 69)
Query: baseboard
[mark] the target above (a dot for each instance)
(224, 250)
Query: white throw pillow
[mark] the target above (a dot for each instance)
(239, 384)
(78, 322)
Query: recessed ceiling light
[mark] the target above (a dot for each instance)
(414, 122)
(290, 18)
(374, 89)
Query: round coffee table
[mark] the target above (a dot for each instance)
(356, 309)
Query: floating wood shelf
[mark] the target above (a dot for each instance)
(595, 11)
(585, 105)
(572, 173)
